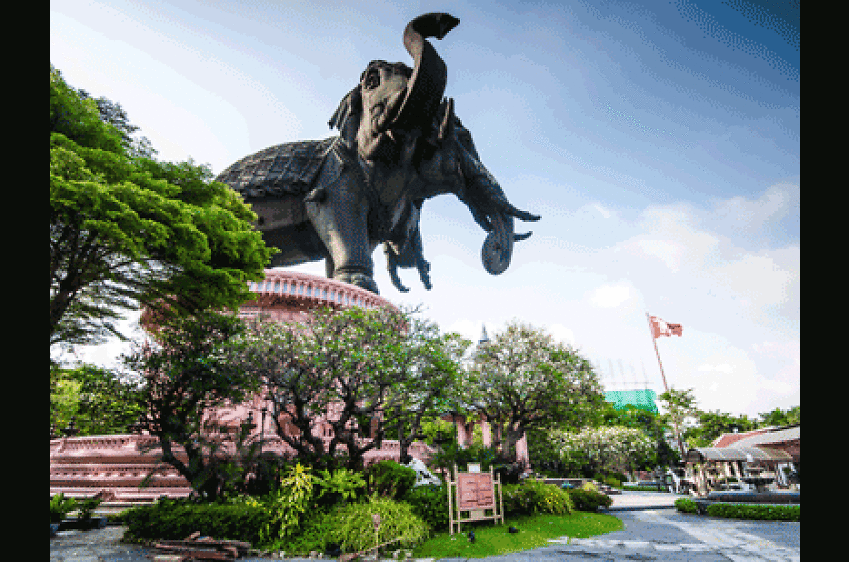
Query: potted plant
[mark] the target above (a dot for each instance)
(59, 508)
(84, 520)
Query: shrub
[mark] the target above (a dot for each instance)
(286, 506)
(390, 479)
(767, 512)
(87, 507)
(589, 487)
(351, 526)
(686, 505)
(534, 496)
(588, 500)
(340, 485)
(177, 520)
(60, 506)
(430, 503)
(611, 481)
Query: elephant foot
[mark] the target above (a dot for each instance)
(359, 279)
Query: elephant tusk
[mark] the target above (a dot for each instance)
(446, 128)
(520, 214)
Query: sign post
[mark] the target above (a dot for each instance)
(475, 496)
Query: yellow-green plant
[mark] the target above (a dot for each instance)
(354, 528)
(589, 486)
(288, 504)
(60, 506)
(343, 482)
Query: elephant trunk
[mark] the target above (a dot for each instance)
(492, 211)
(427, 82)
(497, 249)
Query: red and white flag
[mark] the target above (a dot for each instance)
(661, 328)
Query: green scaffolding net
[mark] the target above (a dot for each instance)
(642, 399)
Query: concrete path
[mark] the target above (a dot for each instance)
(672, 536)
(642, 500)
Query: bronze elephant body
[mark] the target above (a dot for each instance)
(399, 144)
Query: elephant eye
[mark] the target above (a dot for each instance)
(372, 80)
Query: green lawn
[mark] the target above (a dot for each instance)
(534, 531)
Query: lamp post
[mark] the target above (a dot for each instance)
(262, 428)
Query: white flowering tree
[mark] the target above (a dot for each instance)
(616, 448)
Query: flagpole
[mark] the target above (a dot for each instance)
(654, 341)
(665, 386)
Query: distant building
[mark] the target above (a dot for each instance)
(115, 465)
(769, 451)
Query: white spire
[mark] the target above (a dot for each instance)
(484, 337)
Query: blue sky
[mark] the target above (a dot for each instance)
(660, 142)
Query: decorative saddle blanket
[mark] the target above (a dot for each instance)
(283, 169)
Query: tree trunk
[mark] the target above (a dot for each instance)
(512, 437)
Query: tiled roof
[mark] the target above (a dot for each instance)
(761, 436)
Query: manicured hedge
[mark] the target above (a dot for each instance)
(169, 521)
(686, 505)
(587, 500)
(534, 496)
(766, 512)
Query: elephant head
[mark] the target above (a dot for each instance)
(393, 99)
(393, 105)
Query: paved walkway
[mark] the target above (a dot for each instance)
(642, 500)
(650, 533)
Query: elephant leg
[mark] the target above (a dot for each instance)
(341, 220)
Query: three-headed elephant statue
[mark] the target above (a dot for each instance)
(399, 144)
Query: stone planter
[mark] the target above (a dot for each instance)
(82, 524)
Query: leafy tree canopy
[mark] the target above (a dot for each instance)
(779, 417)
(524, 379)
(127, 230)
(102, 402)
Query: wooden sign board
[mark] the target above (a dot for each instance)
(475, 496)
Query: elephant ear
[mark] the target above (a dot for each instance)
(346, 118)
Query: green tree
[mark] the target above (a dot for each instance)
(779, 417)
(429, 363)
(187, 373)
(127, 230)
(681, 414)
(336, 368)
(523, 379)
(114, 114)
(101, 402)
(712, 425)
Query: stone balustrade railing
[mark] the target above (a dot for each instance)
(313, 291)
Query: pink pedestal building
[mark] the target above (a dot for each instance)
(117, 464)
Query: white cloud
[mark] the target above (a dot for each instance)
(668, 252)
(724, 368)
(610, 296)
(561, 333)
(601, 209)
(747, 216)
